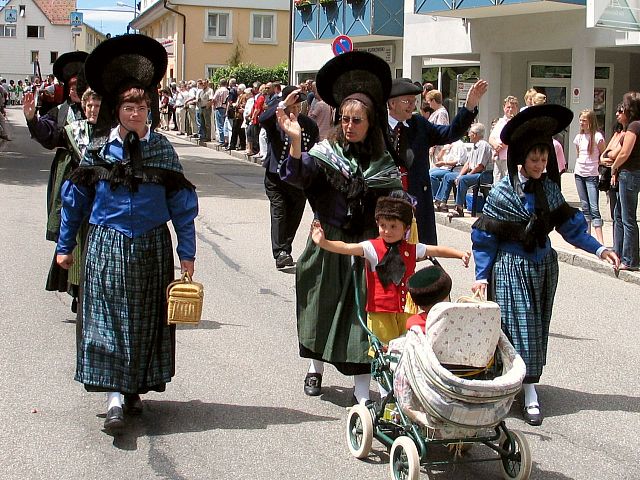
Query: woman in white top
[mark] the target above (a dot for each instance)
(589, 146)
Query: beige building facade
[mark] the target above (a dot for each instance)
(203, 35)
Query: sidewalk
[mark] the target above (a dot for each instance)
(566, 252)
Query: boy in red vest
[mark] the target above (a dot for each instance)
(391, 260)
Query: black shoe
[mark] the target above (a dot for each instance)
(115, 419)
(133, 404)
(313, 384)
(534, 419)
(284, 260)
(74, 305)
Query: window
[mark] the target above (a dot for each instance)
(210, 69)
(263, 28)
(218, 26)
(34, 56)
(35, 31)
(7, 30)
(54, 56)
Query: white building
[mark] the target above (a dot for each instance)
(514, 44)
(41, 32)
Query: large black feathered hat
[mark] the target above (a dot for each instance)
(354, 72)
(404, 86)
(69, 65)
(124, 62)
(533, 126)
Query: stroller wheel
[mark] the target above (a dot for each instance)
(359, 431)
(404, 460)
(517, 465)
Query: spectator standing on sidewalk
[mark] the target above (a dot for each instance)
(589, 146)
(286, 201)
(205, 101)
(235, 113)
(509, 108)
(220, 105)
(190, 107)
(625, 172)
(182, 96)
(515, 262)
(322, 113)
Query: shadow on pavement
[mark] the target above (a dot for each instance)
(170, 417)
(559, 401)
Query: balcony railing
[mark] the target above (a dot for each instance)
(324, 21)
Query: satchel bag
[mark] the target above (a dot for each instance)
(184, 301)
(604, 178)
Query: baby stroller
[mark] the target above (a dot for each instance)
(452, 386)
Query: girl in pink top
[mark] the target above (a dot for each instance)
(589, 146)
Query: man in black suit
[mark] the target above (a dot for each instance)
(413, 136)
(287, 202)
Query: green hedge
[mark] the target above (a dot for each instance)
(248, 73)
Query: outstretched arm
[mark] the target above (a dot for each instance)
(334, 246)
(447, 252)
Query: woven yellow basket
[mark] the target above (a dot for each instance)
(184, 301)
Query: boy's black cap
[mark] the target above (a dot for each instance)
(429, 286)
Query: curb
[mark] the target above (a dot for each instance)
(572, 257)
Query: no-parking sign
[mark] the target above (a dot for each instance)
(341, 44)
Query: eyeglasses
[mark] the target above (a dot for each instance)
(406, 101)
(346, 120)
(620, 110)
(131, 110)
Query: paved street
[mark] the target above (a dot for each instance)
(235, 409)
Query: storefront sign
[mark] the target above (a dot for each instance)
(167, 43)
(385, 52)
(463, 90)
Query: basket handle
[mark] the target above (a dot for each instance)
(186, 277)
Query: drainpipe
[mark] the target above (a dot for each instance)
(184, 37)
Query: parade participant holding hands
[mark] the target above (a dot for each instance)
(131, 184)
(342, 177)
(391, 260)
(511, 247)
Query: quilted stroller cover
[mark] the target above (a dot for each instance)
(432, 396)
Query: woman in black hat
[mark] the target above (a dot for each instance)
(131, 184)
(342, 177)
(48, 131)
(511, 245)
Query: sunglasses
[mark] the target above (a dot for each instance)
(620, 110)
(346, 120)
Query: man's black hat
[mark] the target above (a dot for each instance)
(354, 72)
(533, 126)
(404, 86)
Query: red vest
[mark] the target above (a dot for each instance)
(392, 298)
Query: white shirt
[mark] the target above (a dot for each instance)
(372, 257)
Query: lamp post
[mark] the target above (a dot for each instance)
(134, 7)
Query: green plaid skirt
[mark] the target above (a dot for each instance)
(124, 343)
(328, 326)
(525, 291)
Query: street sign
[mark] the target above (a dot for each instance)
(76, 30)
(11, 15)
(341, 44)
(75, 19)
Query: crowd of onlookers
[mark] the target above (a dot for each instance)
(228, 113)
